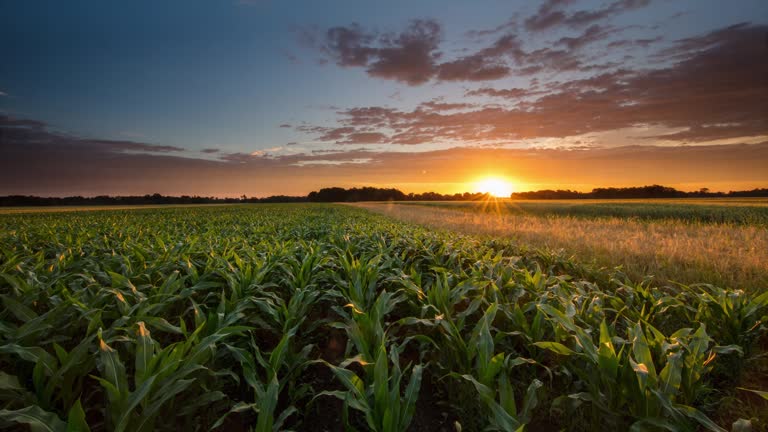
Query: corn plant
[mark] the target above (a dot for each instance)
(378, 396)
(658, 376)
(280, 369)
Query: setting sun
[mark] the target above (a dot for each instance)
(495, 186)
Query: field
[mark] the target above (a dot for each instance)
(720, 241)
(326, 317)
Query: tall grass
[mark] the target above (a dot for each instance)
(726, 254)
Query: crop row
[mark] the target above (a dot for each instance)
(324, 317)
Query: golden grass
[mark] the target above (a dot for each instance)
(670, 250)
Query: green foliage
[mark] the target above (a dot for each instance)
(224, 317)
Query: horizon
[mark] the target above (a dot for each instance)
(263, 98)
(488, 193)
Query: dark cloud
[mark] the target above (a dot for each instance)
(552, 14)
(685, 48)
(349, 46)
(285, 125)
(486, 64)
(14, 131)
(548, 15)
(413, 57)
(409, 56)
(716, 90)
(513, 93)
(209, 150)
(626, 43)
(509, 26)
(592, 34)
(364, 138)
(437, 105)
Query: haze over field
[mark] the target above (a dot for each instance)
(261, 97)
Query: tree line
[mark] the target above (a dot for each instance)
(337, 194)
(653, 191)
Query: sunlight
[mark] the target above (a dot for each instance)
(496, 186)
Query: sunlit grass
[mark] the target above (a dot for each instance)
(729, 254)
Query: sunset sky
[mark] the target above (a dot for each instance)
(264, 97)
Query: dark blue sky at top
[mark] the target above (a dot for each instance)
(224, 73)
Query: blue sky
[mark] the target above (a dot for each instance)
(226, 74)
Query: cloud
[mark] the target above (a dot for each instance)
(413, 56)
(364, 138)
(50, 164)
(2, 93)
(718, 79)
(552, 14)
(512, 93)
(409, 56)
(356, 161)
(642, 43)
(209, 150)
(486, 64)
(13, 131)
(438, 105)
(592, 34)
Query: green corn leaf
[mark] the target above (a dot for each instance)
(762, 394)
(9, 382)
(530, 401)
(113, 372)
(351, 381)
(643, 363)
(555, 347)
(145, 350)
(289, 411)
(703, 420)
(133, 400)
(606, 354)
(507, 395)
(670, 377)
(267, 406)
(19, 310)
(36, 418)
(411, 396)
(76, 419)
(499, 415)
(32, 354)
(381, 379)
(161, 324)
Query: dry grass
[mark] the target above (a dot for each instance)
(670, 250)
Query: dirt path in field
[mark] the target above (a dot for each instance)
(721, 254)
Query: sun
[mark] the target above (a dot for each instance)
(495, 186)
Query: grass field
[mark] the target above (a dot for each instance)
(720, 241)
(317, 317)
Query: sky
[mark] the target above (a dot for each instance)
(266, 97)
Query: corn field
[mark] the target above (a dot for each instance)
(312, 317)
